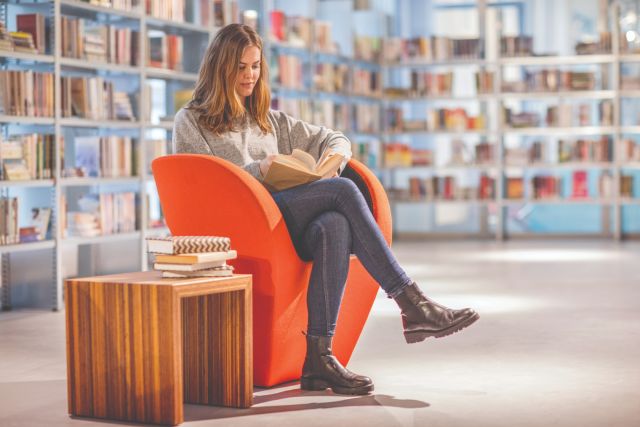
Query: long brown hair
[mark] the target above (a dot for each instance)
(215, 97)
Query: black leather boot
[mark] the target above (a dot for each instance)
(322, 370)
(423, 318)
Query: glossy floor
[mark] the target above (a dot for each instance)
(558, 343)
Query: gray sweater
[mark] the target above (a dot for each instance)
(248, 146)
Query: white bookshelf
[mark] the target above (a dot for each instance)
(495, 131)
(499, 131)
(59, 125)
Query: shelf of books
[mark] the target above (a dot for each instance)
(93, 88)
(475, 126)
(558, 112)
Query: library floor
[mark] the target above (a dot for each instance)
(558, 343)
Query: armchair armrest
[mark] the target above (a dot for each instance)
(202, 194)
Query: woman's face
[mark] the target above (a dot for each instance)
(248, 71)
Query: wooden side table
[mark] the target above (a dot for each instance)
(138, 345)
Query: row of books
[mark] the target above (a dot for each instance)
(10, 230)
(482, 153)
(331, 114)
(398, 154)
(550, 80)
(580, 150)
(26, 157)
(513, 46)
(26, 93)
(441, 84)
(630, 150)
(537, 187)
(545, 186)
(165, 51)
(593, 47)
(446, 187)
(172, 10)
(85, 39)
(99, 215)
(563, 115)
(287, 71)
(484, 81)
(299, 31)
(191, 256)
(522, 45)
(201, 12)
(437, 119)
(115, 4)
(366, 118)
(366, 153)
(630, 82)
(332, 77)
(104, 156)
(367, 48)
(29, 38)
(94, 98)
(361, 118)
(366, 82)
(293, 30)
(227, 12)
(434, 48)
(424, 83)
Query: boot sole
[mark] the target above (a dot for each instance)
(312, 384)
(419, 336)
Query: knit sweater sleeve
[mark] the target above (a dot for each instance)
(188, 138)
(294, 133)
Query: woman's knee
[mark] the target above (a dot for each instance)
(331, 227)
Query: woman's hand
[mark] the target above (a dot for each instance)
(265, 164)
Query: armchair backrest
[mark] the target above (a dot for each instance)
(206, 195)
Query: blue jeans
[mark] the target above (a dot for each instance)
(328, 220)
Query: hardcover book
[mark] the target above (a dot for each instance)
(300, 167)
(222, 271)
(186, 267)
(196, 258)
(174, 245)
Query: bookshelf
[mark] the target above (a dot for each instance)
(345, 77)
(129, 70)
(606, 61)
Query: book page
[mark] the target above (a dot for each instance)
(281, 176)
(290, 162)
(330, 165)
(305, 158)
(323, 157)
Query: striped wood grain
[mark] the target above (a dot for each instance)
(125, 345)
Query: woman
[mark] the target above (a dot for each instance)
(229, 117)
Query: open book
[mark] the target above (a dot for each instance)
(300, 167)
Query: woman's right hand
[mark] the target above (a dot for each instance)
(265, 164)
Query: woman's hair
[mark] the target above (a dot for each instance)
(215, 97)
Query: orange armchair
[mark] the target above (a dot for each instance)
(206, 195)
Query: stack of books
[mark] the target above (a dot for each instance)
(192, 256)
(23, 42)
(6, 43)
